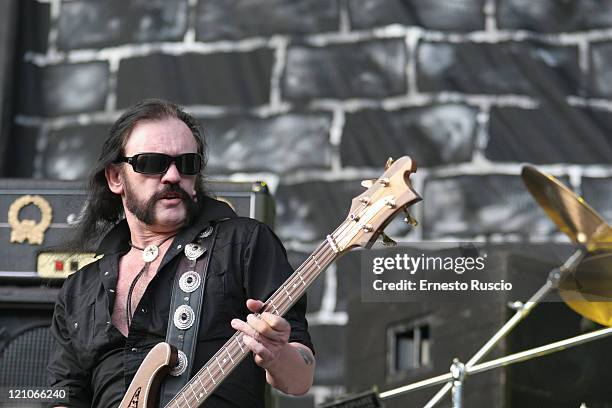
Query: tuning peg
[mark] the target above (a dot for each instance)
(387, 241)
(409, 219)
(368, 183)
(388, 163)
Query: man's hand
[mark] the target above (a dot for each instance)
(289, 366)
(265, 335)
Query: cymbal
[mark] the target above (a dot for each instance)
(588, 289)
(579, 221)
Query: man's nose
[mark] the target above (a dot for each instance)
(171, 175)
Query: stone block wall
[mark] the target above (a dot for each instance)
(313, 96)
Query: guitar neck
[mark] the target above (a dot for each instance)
(234, 351)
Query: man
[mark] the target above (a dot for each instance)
(113, 311)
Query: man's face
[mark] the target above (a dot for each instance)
(164, 201)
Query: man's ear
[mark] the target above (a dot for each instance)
(114, 178)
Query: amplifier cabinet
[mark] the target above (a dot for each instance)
(36, 217)
(25, 340)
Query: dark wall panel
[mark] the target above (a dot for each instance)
(230, 78)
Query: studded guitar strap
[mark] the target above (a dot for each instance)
(186, 308)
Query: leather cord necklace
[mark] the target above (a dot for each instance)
(149, 254)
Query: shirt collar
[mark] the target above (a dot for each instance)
(118, 238)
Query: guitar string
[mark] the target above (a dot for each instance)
(234, 350)
(341, 230)
(238, 335)
(324, 254)
(214, 369)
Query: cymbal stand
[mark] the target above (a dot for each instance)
(503, 361)
(458, 371)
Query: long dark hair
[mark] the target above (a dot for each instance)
(104, 208)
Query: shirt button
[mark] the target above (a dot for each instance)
(179, 246)
(76, 325)
(111, 290)
(134, 349)
(144, 310)
(106, 273)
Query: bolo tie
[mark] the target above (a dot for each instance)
(149, 254)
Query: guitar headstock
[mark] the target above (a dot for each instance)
(372, 210)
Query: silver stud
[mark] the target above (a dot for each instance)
(206, 232)
(181, 365)
(189, 281)
(184, 316)
(194, 251)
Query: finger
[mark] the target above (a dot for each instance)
(263, 329)
(257, 348)
(277, 323)
(259, 330)
(254, 305)
(244, 327)
(265, 332)
(260, 361)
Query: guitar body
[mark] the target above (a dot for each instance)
(143, 391)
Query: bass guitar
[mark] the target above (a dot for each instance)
(370, 212)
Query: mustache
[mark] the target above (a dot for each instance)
(171, 189)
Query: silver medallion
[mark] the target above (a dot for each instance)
(206, 233)
(190, 281)
(150, 253)
(194, 251)
(181, 364)
(184, 317)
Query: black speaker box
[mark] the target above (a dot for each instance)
(25, 340)
(26, 200)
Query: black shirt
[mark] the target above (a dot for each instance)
(97, 363)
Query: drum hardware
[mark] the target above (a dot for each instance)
(499, 362)
(584, 226)
(580, 281)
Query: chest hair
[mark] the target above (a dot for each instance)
(129, 267)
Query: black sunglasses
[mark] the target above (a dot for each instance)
(188, 164)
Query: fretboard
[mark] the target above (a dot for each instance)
(234, 351)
